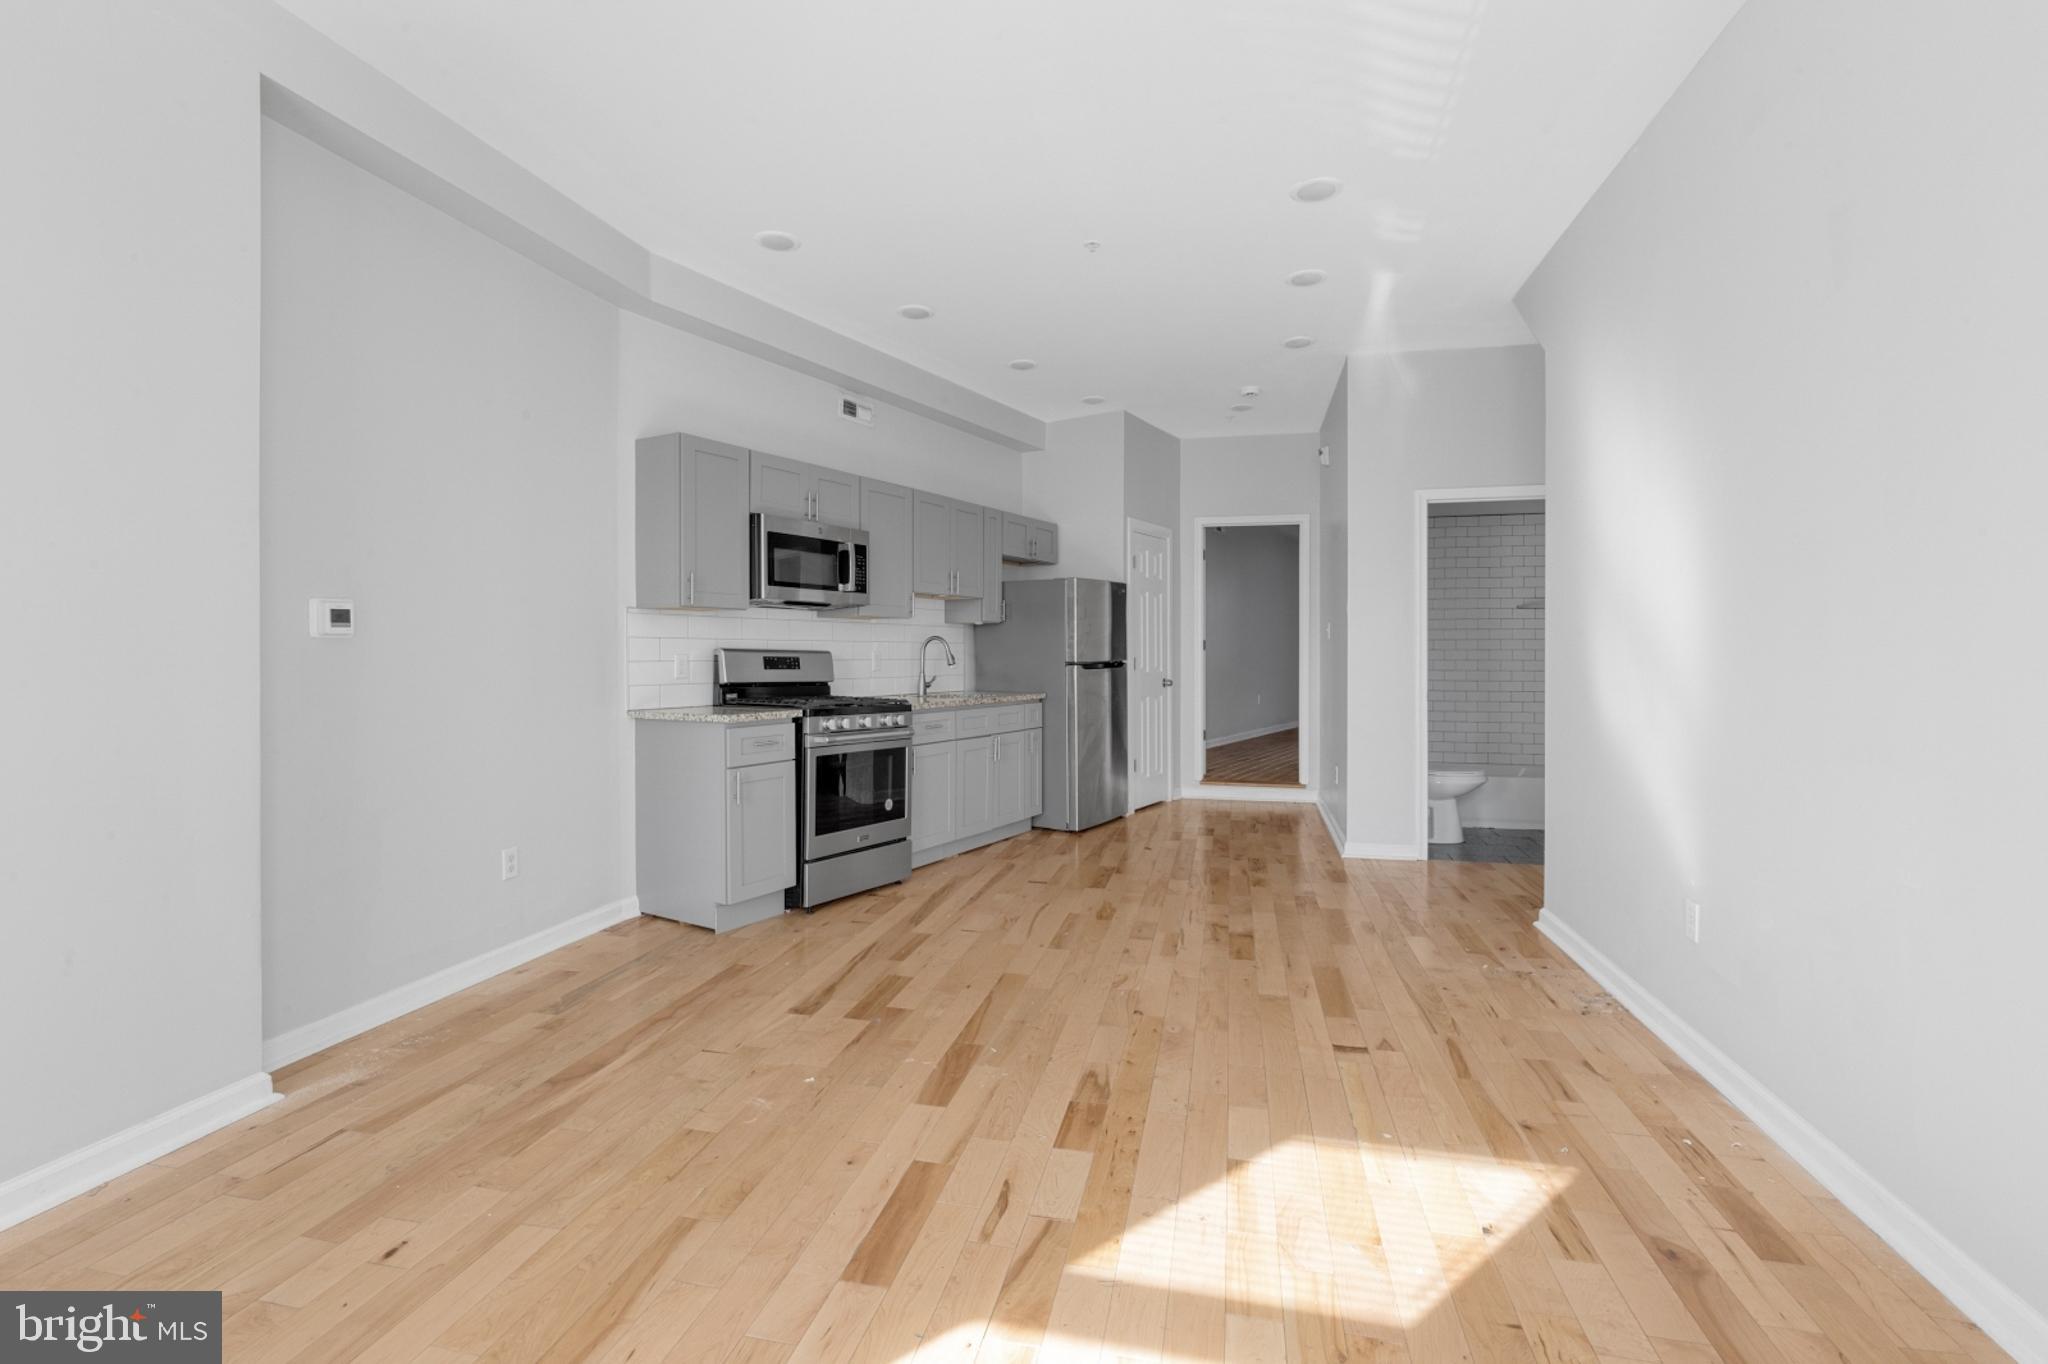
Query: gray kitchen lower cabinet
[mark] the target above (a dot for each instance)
(976, 802)
(760, 830)
(975, 777)
(715, 817)
(1010, 780)
(934, 795)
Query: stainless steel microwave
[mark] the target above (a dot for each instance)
(806, 563)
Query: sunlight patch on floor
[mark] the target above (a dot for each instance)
(1335, 1238)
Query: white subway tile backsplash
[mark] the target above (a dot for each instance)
(1485, 656)
(869, 658)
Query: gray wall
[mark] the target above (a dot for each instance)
(439, 425)
(1251, 587)
(1333, 552)
(1273, 475)
(129, 818)
(1431, 419)
(1796, 588)
(1486, 639)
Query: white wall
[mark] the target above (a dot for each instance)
(1251, 669)
(1425, 419)
(129, 819)
(1078, 481)
(1244, 476)
(438, 433)
(1812, 284)
(1333, 605)
(673, 381)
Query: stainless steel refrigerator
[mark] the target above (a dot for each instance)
(1065, 637)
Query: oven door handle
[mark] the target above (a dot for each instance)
(846, 568)
(898, 739)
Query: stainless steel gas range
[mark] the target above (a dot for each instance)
(853, 776)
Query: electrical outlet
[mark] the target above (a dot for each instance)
(508, 863)
(1692, 921)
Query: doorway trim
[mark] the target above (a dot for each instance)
(1424, 499)
(1306, 703)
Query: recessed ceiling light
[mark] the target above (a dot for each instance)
(1316, 190)
(1092, 399)
(916, 312)
(1091, 246)
(1023, 364)
(1298, 342)
(1248, 391)
(1240, 407)
(777, 241)
(1301, 279)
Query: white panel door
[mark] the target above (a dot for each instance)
(1147, 629)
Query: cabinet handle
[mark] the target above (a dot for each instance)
(692, 597)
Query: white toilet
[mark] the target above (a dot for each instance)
(1446, 784)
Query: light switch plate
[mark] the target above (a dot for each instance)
(330, 616)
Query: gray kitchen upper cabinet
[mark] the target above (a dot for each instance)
(690, 522)
(760, 830)
(931, 572)
(835, 498)
(934, 793)
(810, 492)
(975, 802)
(969, 568)
(1026, 541)
(986, 608)
(886, 515)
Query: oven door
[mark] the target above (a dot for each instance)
(856, 792)
(805, 563)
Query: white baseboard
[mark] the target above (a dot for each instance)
(323, 1033)
(1388, 852)
(1330, 823)
(2002, 1314)
(1251, 734)
(44, 1187)
(1503, 824)
(1286, 795)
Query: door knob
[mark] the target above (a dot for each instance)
(1165, 681)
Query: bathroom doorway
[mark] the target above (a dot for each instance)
(1480, 653)
(1253, 674)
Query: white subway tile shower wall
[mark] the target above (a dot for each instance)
(668, 653)
(1485, 655)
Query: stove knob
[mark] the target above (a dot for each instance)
(830, 725)
(899, 720)
(867, 722)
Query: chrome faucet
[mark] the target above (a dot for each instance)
(924, 686)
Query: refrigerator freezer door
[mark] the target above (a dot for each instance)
(1098, 765)
(1095, 620)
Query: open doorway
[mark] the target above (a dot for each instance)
(1252, 690)
(1481, 721)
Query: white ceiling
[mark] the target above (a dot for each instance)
(957, 154)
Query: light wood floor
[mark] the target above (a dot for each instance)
(1268, 760)
(1183, 1087)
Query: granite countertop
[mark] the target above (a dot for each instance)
(958, 700)
(718, 715)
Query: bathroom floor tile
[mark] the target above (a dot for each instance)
(1492, 845)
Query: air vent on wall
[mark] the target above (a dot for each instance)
(854, 410)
